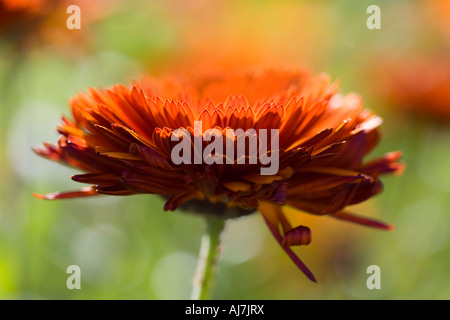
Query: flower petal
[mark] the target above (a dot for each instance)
(270, 214)
(298, 236)
(362, 220)
(84, 192)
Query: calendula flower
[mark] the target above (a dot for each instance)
(419, 85)
(439, 15)
(22, 14)
(156, 137)
(44, 22)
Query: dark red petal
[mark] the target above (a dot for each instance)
(85, 192)
(96, 178)
(49, 151)
(386, 164)
(147, 184)
(291, 254)
(298, 236)
(177, 200)
(362, 220)
(311, 182)
(279, 194)
(116, 190)
(271, 214)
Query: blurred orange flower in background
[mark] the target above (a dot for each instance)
(419, 85)
(16, 14)
(440, 12)
(238, 33)
(122, 138)
(27, 23)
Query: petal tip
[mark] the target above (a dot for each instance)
(50, 196)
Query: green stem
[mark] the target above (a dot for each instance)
(207, 267)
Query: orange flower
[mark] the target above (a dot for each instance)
(419, 85)
(439, 12)
(21, 14)
(122, 138)
(44, 21)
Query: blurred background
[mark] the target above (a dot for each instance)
(128, 247)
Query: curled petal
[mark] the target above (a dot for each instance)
(270, 214)
(298, 236)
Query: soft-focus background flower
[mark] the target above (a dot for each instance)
(128, 248)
